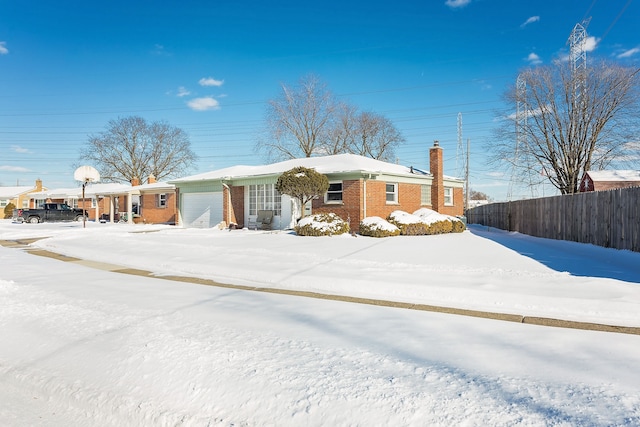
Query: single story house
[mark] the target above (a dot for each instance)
(609, 180)
(152, 203)
(359, 187)
(19, 195)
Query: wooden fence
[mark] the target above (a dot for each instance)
(605, 218)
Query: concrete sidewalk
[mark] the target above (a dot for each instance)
(24, 244)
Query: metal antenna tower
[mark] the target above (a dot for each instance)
(578, 59)
(521, 125)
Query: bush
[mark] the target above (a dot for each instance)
(325, 224)
(458, 225)
(377, 227)
(424, 222)
(8, 211)
(409, 225)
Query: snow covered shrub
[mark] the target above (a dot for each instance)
(375, 226)
(325, 224)
(409, 225)
(458, 225)
(425, 221)
(439, 222)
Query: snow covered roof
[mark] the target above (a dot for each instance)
(92, 190)
(58, 193)
(339, 163)
(11, 192)
(614, 175)
(156, 186)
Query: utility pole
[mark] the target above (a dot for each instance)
(466, 178)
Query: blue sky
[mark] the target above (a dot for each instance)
(208, 67)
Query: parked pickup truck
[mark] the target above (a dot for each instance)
(49, 212)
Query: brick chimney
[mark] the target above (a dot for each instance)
(135, 181)
(436, 168)
(151, 179)
(38, 184)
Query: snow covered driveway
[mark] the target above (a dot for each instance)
(82, 346)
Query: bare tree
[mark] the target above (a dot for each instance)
(569, 127)
(307, 121)
(297, 120)
(374, 136)
(132, 148)
(341, 130)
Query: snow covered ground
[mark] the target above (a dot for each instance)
(83, 346)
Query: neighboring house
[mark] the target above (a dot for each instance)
(609, 180)
(19, 195)
(152, 203)
(359, 187)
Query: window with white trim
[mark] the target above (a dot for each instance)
(161, 200)
(334, 193)
(391, 190)
(448, 196)
(264, 197)
(425, 195)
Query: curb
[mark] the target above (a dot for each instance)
(506, 317)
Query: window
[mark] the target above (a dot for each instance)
(161, 200)
(425, 195)
(3, 203)
(392, 193)
(448, 196)
(264, 197)
(334, 193)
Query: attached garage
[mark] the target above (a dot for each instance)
(201, 210)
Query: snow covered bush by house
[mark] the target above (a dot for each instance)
(325, 224)
(425, 221)
(375, 226)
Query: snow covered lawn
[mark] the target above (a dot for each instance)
(81, 346)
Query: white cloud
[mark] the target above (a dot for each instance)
(530, 20)
(182, 91)
(629, 53)
(7, 168)
(210, 81)
(204, 104)
(18, 149)
(454, 4)
(159, 50)
(590, 43)
(3, 48)
(534, 59)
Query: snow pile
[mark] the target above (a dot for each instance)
(428, 216)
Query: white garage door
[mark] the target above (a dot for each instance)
(201, 210)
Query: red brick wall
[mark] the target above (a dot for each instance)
(612, 185)
(458, 203)
(350, 209)
(234, 213)
(151, 214)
